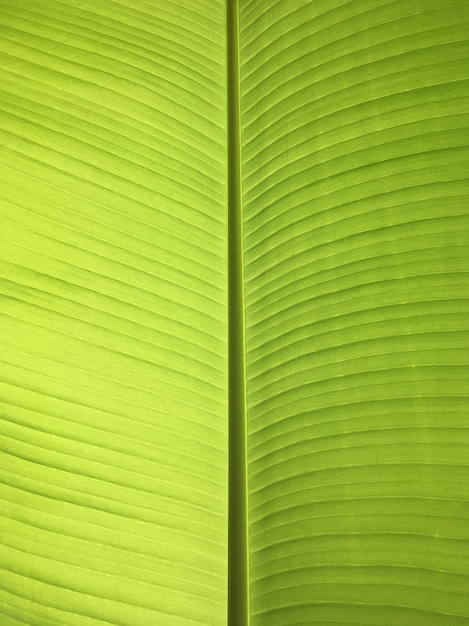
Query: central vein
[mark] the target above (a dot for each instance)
(238, 561)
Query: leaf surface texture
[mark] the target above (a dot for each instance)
(354, 154)
(120, 159)
(114, 303)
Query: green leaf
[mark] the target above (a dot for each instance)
(234, 282)
(114, 305)
(355, 196)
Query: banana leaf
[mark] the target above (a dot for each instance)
(234, 282)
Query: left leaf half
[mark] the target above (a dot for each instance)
(113, 432)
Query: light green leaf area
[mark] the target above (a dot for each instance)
(354, 154)
(338, 203)
(113, 349)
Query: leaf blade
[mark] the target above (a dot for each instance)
(114, 304)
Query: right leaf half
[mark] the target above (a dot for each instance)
(354, 152)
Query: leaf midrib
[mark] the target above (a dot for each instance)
(238, 559)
